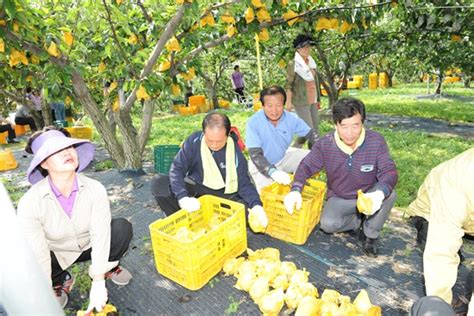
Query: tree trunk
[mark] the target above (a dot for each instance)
(467, 81)
(81, 93)
(390, 74)
(46, 111)
(439, 83)
(333, 93)
(328, 76)
(211, 87)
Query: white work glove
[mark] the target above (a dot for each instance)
(190, 204)
(260, 214)
(98, 296)
(293, 201)
(377, 198)
(281, 177)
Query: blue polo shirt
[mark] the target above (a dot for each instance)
(274, 140)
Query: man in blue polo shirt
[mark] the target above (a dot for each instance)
(269, 134)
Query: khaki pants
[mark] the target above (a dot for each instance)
(288, 163)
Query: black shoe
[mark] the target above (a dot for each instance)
(370, 247)
(12, 141)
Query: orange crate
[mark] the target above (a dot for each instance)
(20, 130)
(83, 132)
(3, 138)
(192, 264)
(293, 228)
(188, 110)
(197, 100)
(7, 160)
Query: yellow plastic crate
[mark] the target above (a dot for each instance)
(293, 228)
(192, 264)
(197, 100)
(188, 110)
(3, 138)
(82, 132)
(7, 160)
(383, 80)
(19, 130)
(224, 104)
(373, 81)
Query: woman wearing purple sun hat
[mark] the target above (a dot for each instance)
(66, 217)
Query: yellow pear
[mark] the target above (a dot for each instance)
(53, 49)
(290, 17)
(264, 35)
(142, 94)
(175, 89)
(364, 204)
(362, 302)
(309, 306)
(249, 15)
(68, 38)
(231, 30)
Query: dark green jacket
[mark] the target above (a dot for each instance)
(297, 86)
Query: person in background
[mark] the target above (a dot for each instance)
(34, 96)
(6, 126)
(270, 132)
(23, 117)
(238, 84)
(66, 218)
(209, 162)
(302, 85)
(354, 158)
(189, 93)
(442, 213)
(59, 111)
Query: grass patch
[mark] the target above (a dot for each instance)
(456, 104)
(233, 306)
(14, 191)
(104, 165)
(415, 154)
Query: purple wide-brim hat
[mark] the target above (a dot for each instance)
(51, 142)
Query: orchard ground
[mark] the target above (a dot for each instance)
(421, 133)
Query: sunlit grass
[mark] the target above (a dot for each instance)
(456, 104)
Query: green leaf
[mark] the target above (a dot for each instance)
(10, 8)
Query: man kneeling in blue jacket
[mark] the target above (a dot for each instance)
(209, 162)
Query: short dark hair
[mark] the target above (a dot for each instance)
(346, 108)
(236, 66)
(302, 40)
(272, 90)
(216, 119)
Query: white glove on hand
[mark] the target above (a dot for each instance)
(98, 296)
(293, 200)
(261, 215)
(281, 177)
(377, 198)
(190, 204)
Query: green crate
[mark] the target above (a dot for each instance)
(164, 155)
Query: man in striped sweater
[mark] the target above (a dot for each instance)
(354, 158)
